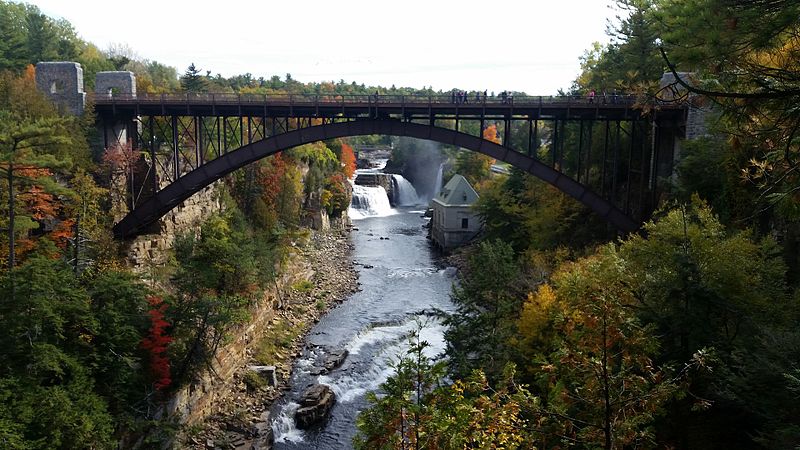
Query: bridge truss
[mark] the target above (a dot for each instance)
(611, 154)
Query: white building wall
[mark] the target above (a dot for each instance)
(446, 225)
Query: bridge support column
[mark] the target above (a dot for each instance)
(62, 82)
(121, 84)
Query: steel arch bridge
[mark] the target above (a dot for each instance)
(606, 154)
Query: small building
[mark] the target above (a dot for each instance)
(454, 222)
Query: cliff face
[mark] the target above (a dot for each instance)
(150, 251)
(324, 263)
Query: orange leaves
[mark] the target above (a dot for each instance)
(40, 204)
(30, 73)
(490, 134)
(62, 232)
(348, 159)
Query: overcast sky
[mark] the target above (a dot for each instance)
(527, 45)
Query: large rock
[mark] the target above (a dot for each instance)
(318, 400)
(335, 359)
(268, 373)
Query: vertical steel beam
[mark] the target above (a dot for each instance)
(219, 137)
(105, 132)
(630, 168)
(605, 161)
(175, 152)
(615, 166)
(530, 137)
(643, 181)
(589, 152)
(554, 144)
(153, 162)
(655, 151)
(198, 139)
(580, 152)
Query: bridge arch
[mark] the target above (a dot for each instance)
(174, 194)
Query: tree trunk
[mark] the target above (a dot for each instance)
(606, 393)
(11, 250)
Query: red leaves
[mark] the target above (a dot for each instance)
(120, 157)
(348, 160)
(156, 344)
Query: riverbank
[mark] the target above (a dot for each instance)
(241, 417)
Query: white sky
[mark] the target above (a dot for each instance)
(524, 45)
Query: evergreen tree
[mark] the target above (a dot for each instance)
(192, 81)
(13, 46)
(487, 299)
(42, 38)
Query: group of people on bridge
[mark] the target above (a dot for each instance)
(614, 97)
(459, 97)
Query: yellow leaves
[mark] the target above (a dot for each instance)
(536, 312)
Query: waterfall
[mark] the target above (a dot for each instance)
(437, 185)
(369, 201)
(404, 192)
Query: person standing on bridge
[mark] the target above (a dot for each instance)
(591, 96)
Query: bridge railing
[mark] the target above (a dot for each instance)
(361, 99)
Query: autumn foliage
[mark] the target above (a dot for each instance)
(156, 342)
(348, 160)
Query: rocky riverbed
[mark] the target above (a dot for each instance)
(242, 420)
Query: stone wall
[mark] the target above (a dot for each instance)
(200, 399)
(62, 83)
(117, 82)
(150, 251)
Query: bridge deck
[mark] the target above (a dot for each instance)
(621, 107)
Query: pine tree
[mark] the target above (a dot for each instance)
(13, 48)
(192, 81)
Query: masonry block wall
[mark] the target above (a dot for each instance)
(117, 82)
(62, 82)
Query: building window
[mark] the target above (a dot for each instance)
(465, 223)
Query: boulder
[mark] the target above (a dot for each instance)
(266, 372)
(316, 405)
(335, 359)
(264, 437)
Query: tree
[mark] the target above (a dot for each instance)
(474, 166)
(487, 300)
(192, 81)
(348, 159)
(13, 45)
(416, 410)
(602, 384)
(18, 141)
(42, 38)
(46, 385)
(155, 343)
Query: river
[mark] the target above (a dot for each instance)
(400, 285)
